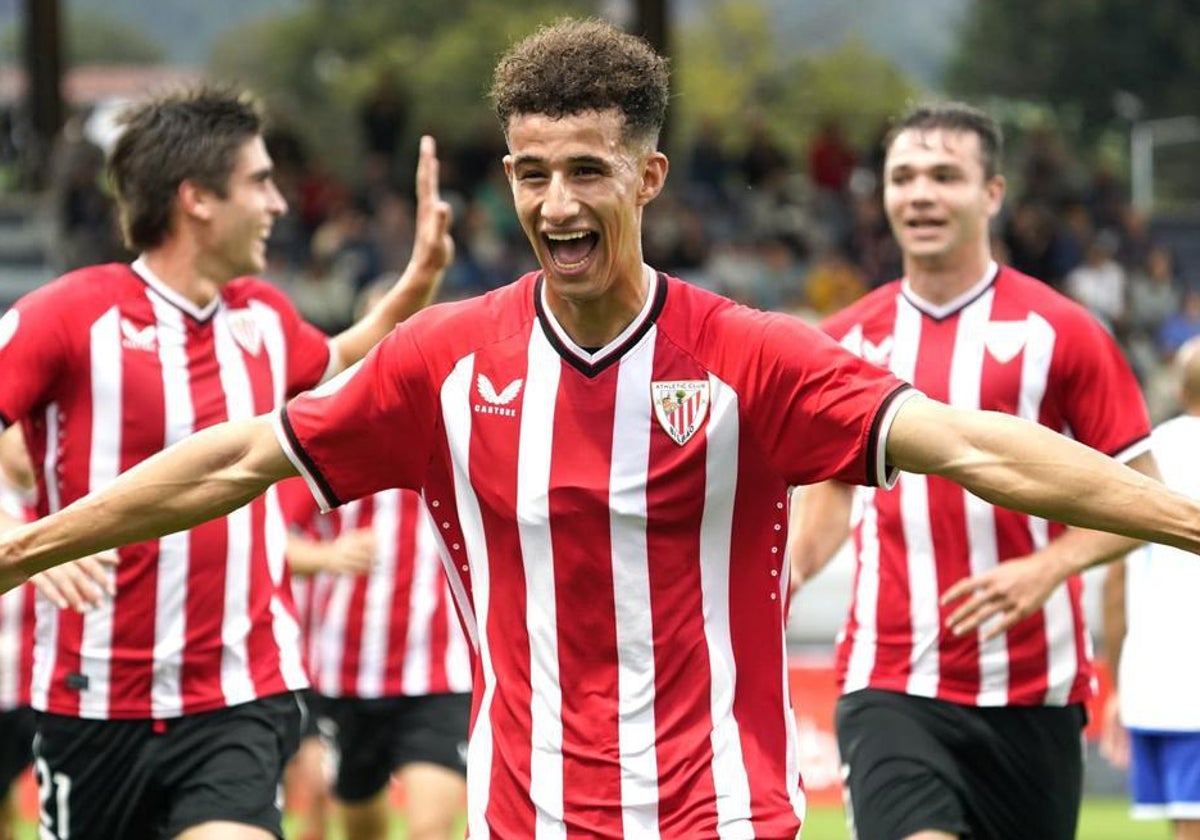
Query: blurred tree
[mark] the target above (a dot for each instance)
(317, 66)
(92, 38)
(1095, 64)
(730, 68)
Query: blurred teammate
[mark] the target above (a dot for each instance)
(168, 709)
(1150, 613)
(391, 665)
(946, 729)
(605, 453)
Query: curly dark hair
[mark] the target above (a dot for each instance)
(956, 116)
(189, 134)
(577, 65)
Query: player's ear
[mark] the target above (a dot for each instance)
(995, 188)
(195, 200)
(654, 176)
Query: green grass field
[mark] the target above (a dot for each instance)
(1102, 819)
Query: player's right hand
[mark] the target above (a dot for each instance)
(1114, 737)
(353, 553)
(80, 584)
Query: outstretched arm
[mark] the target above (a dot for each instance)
(1018, 587)
(205, 476)
(433, 251)
(1023, 466)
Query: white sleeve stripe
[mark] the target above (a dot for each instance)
(335, 365)
(885, 475)
(314, 486)
(1140, 447)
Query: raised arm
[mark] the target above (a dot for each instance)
(433, 251)
(205, 476)
(1023, 466)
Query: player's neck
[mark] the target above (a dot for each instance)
(597, 321)
(182, 269)
(941, 282)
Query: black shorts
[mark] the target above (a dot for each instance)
(135, 779)
(913, 764)
(314, 713)
(16, 745)
(374, 738)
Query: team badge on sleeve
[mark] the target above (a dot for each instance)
(680, 407)
(8, 326)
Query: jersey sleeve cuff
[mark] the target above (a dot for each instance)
(334, 367)
(317, 485)
(879, 472)
(1125, 454)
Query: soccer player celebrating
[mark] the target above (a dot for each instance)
(605, 452)
(169, 708)
(947, 730)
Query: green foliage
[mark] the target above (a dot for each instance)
(317, 65)
(92, 38)
(1079, 58)
(730, 68)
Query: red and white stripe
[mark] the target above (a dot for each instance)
(624, 590)
(917, 539)
(392, 632)
(199, 620)
(16, 617)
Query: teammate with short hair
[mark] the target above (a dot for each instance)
(605, 452)
(1150, 609)
(168, 710)
(946, 729)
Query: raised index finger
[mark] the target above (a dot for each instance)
(427, 172)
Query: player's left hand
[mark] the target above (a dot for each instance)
(1003, 595)
(80, 584)
(433, 247)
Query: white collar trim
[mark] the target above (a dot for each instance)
(617, 343)
(939, 311)
(173, 297)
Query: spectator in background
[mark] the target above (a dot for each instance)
(831, 159)
(383, 118)
(764, 163)
(833, 282)
(1181, 326)
(1149, 611)
(1153, 298)
(84, 213)
(1030, 234)
(831, 162)
(708, 166)
(1099, 282)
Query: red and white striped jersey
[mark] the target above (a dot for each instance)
(16, 616)
(392, 632)
(1009, 344)
(104, 367)
(613, 525)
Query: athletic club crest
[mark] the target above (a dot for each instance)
(244, 328)
(680, 407)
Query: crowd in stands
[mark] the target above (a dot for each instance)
(803, 234)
